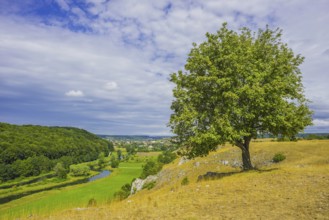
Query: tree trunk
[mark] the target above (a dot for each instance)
(246, 160)
(245, 154)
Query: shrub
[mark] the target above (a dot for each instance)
(316, 137)
(114, 162)
(166, 157)
(185, 181)
(123, 193)
(79, 170)
(101, 160)
(149, 185)
(278, 157)
(283, 139)
(60, 171)
(150, 168)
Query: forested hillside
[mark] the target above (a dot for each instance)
(29, 150)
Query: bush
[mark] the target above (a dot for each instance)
(79, 170)
(278, 157)
(114, 162)
(316, 137)
(150, 168)
(60, 171)
(166, 157)
(185, 181)
(123, 193)
(149, 185)
(101, 160)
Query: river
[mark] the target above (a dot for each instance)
(102, 174)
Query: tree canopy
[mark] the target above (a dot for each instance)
(30, 150)
(236, 86)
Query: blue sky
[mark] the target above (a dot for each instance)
(104, 65)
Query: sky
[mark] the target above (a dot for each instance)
(104, 65)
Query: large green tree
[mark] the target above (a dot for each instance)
(236, 86)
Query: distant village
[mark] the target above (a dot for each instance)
(142, 143)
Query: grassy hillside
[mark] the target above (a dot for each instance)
(296, 188)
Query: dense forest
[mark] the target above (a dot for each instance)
(30, 150)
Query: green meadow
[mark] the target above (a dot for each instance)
(78, 196)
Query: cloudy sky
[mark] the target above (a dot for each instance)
(103, 65)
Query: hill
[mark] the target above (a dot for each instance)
(296, 188)
(29, 150)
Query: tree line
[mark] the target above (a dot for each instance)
(30, 150)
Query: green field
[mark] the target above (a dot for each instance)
(48, 202)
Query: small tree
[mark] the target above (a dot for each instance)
(119, 152)
(60, 171)
(110, 146)
(237, 86)
(150, 168)
(130, 149)
(101, 160)
(123, 193)
(114, 162)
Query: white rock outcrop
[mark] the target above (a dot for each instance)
(182, 161)
(138, 184)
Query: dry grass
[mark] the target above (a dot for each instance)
(297, 188)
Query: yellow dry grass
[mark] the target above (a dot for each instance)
(296, 188)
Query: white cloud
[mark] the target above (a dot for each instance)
(111, 86)
(74, 93)
(321, 122)
(63, 4)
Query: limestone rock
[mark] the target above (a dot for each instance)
(182, 161)
(138, 184)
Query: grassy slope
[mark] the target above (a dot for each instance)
(71, 197)
(297, 188)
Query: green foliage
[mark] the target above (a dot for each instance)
(278, 157)
(119, 153)
(114, 162)
(123, 193)
(238, 85)
(185, 181)
(30, 150)
(101, 160)
(130, 149)
(110, 146)
(7, 172)
(166, 157)
(149, 185)
(79, 170)
(66, 161)
(32, 166)
(60, 171)
(316, 137)
(150, 168)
